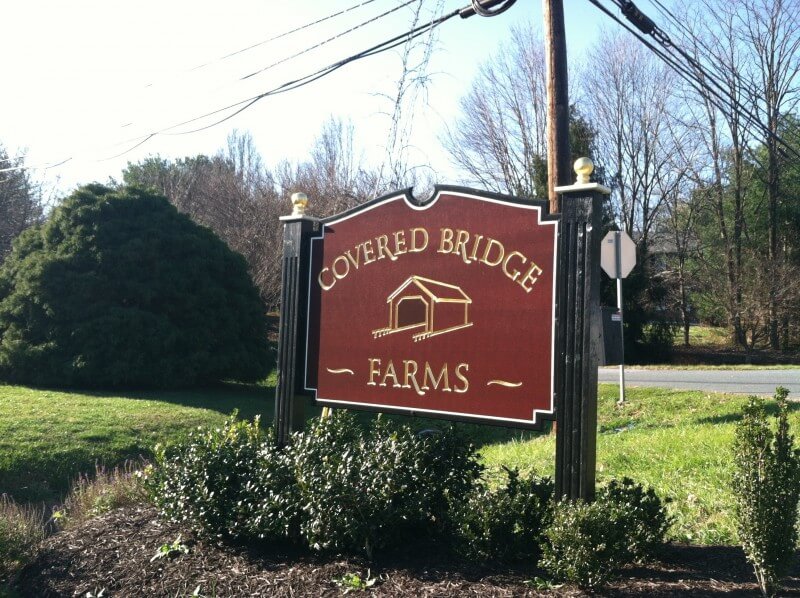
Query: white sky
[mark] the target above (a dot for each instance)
(85, 79)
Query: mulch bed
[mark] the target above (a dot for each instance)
(113, 553)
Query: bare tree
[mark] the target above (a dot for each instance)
(499, 141)
(335, 177)
(632, 106)
(20, 201)
(770, 29)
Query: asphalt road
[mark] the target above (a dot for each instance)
(757, 382)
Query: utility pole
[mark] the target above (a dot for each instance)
(558, 154)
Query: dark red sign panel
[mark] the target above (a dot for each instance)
(444, 309)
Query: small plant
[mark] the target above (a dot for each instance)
(169, 550)
(106, 490)
(585, 543)
(506, 523)
(641, 513)
(353, 582)
(766, 485)
(21, 531)
(588, 542)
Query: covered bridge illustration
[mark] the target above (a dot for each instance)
(426, 305)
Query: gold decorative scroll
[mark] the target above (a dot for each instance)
(504, 383)
(341, 371)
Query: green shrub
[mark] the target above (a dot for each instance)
(337, 486)
(585, 544)
(118, 289)
(588, 542)
(507, 523)
(214, 479)
(21, 531)
(384, 488)
(766, 483)
(641, 514)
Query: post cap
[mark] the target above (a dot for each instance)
(583, 169)
(299, 203)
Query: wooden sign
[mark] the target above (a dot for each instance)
(442, 309)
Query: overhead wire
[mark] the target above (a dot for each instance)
(243, 105)
(330, 39)
(700, 78)
(279, 36)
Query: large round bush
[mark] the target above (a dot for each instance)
(118, 289)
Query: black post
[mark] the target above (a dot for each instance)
(297, 232)
(578, 341)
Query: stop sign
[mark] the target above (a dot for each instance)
(617, 243)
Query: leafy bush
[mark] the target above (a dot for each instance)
(215, 482)
(506, 523)
(766, 483)
(642, 515)
(382, 488)
(336, 487)
(587, 542)
(118, 289)
(21, 531)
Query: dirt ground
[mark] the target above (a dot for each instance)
(114, 554)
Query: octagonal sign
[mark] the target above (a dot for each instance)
(608, 254)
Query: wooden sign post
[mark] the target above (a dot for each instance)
(468, 306)
(579, 334)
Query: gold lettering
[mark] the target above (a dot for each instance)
(325, 287)
(461, 376)
(435, 381)
(390, 373)
(462, 238)
(493, 243)
(400, 242)
(374, 370)
(474, 255)
(411, 375)
(354, 260)
(369, 253)
(383, 242)
(415, 248)
(516, 273)
(341, 260)
(446, 244)
(529, 277)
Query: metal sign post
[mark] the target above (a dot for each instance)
(617, 258)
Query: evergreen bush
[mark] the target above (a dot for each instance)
(766, 486)
(641, 513)
(588, 542)
(506, 523)
(118, 289)
(336, 487)
(384, 488)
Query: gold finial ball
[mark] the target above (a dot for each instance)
(583, 168)
(299, 203)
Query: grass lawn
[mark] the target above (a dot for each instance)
(48, 437)
(703, 335)
(677, 441)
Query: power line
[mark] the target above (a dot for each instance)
(330, 39)
(277, 37)
(242, 105)
(699, 78)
